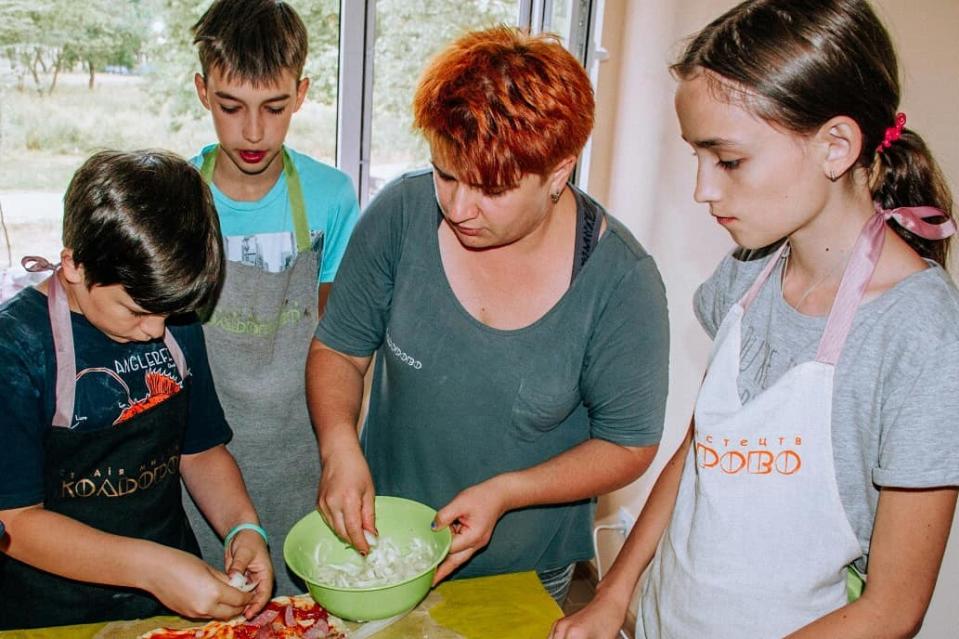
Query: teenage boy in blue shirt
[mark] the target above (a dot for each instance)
(286, 220)
(106, 407)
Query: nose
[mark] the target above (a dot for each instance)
(153, 325)
(252, 126)
(707, 190)
(461, 205)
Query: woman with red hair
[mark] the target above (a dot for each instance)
(520, 331)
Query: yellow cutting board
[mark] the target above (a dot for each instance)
(513, 606)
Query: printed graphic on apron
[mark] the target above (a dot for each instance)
(759, 455)
(117, 482)
(270, 252)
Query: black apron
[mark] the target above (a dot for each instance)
(123, 480)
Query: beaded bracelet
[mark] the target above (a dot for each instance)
(236, 529)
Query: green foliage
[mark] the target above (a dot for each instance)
(45, 139)
(171, 60)
(49, 111)
(408, 34)
(17, 22)
(43, 38)
(322, 18)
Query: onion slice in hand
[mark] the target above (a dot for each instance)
(239, 581)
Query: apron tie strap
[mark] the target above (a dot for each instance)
(62, 327)
(913, 219)
(37, 264)
(59, 309)
(862, 265)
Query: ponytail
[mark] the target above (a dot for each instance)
(905, 174)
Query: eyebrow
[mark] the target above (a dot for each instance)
(223, 95)
(441, 171)
(710, 143)
(138, 311)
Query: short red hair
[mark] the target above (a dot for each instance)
(499, 104)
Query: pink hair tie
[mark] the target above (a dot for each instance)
(893, 133)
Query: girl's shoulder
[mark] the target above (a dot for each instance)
(728, 283)
(922, 308)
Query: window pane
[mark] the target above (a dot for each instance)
(54, 112)
(569, 19)
(560, 19)
(408, 33)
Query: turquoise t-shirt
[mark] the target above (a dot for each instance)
(455, 402)
(260, 232)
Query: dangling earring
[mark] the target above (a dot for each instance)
(555, 196)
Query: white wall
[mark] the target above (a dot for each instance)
(644, 172)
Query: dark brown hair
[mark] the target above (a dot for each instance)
(799, 63)
(145, 220)
(253, 40)
(500, 103)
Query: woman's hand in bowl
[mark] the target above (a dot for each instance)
(346, 495)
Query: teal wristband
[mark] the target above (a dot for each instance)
(236, 529)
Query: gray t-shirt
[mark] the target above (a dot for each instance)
(455, 402)
(896, 393)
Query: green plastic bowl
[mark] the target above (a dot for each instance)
(399, 519)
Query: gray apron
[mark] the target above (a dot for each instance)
(257, 339)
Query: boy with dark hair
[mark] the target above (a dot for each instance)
(106, 407)
(279, 211)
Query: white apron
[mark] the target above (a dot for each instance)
(759, 542)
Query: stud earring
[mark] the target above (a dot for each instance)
(555, 196)
(832, 176)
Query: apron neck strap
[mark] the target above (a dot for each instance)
(37, 264)
(859, 270)
(862, 265)
(753, 291)
(294, 191)
(61, 326)
(58, 307)
(175, 352)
